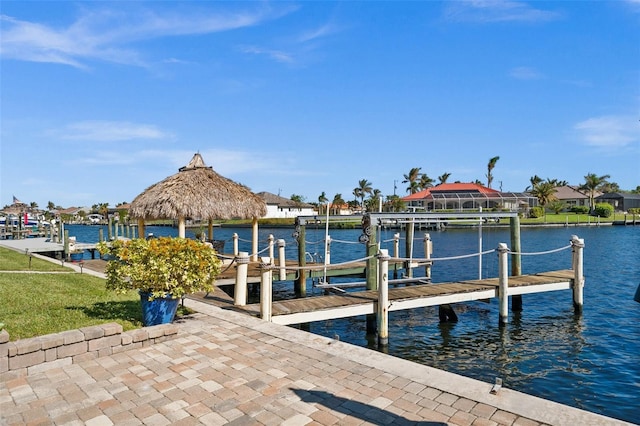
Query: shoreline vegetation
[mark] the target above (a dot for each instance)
(551, 219)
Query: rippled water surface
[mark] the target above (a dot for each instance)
(590, 361)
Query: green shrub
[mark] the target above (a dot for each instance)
(635, 210)
(580, 209)
(161, 266)
(603, 210)
(536, 212)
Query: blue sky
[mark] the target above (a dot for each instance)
(99, 100)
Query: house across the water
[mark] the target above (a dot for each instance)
(467, 196)
(280, 207)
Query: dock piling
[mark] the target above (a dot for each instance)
(428, 250)
(282, 262)
(578, 270)
(383, 298)
(503, 280)
(240, 293)
(266, 288)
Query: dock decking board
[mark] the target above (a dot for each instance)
(316, 308)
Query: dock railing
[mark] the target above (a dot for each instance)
(267, 267)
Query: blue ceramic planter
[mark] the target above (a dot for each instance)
(157, 311)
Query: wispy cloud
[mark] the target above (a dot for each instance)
(486, 11)
(107, 34)
(109, 131)
(320, 32)
(525, 73)
(609, 131)
(276, 55)
(295, 48)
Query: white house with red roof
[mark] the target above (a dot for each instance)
(467, 196)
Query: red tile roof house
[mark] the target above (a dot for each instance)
(467, 196)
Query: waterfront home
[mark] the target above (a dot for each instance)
(280, 207)
(621, 201)
(572, 196)
(467, 196)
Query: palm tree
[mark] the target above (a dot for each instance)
(374, 201)
(337, 203)
(103, 209)
(443, 178)
(364, 187)
(412, 179)
(51, 206)
(425, 181)
(490, 166)
(593, 183)
(322, 200)
(545, 192)
(535, 180)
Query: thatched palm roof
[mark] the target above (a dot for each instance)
(198, 192)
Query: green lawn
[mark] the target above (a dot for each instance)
(50, 301)
(11, 260)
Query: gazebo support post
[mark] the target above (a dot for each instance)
(141, 233)
(210, 229)
(181, 227)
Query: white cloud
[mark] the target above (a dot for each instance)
(609, 131)
(277, 55)
(320, 32)
(485, 11)
(525, 73)
(105, 34)
(109, 131)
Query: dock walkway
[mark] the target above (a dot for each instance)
(320, 308)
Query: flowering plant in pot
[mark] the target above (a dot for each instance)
(162, 269)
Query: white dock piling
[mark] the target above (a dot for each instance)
(578, 270)
(503, 280)
(235, 244)
(428, 250)
(240, 295)
(383, 297)
(271, 245)
(266, 290)
(282, 262)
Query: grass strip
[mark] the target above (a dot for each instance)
(38, 304)
(11, 260)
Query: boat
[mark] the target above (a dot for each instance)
(26, 220)
(637, 296)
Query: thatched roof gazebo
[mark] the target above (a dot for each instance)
(197, 192)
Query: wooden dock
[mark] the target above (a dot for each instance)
(348, 304)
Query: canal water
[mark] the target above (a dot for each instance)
(590, 361)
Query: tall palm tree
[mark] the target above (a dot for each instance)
(593, 183)
(337, 203)
(535, 180)
(443, 178)
(364, 187)
(425, 181)
(374, 201)
(412, 179)
(322, 200)
(490, 167)
(51, 206)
